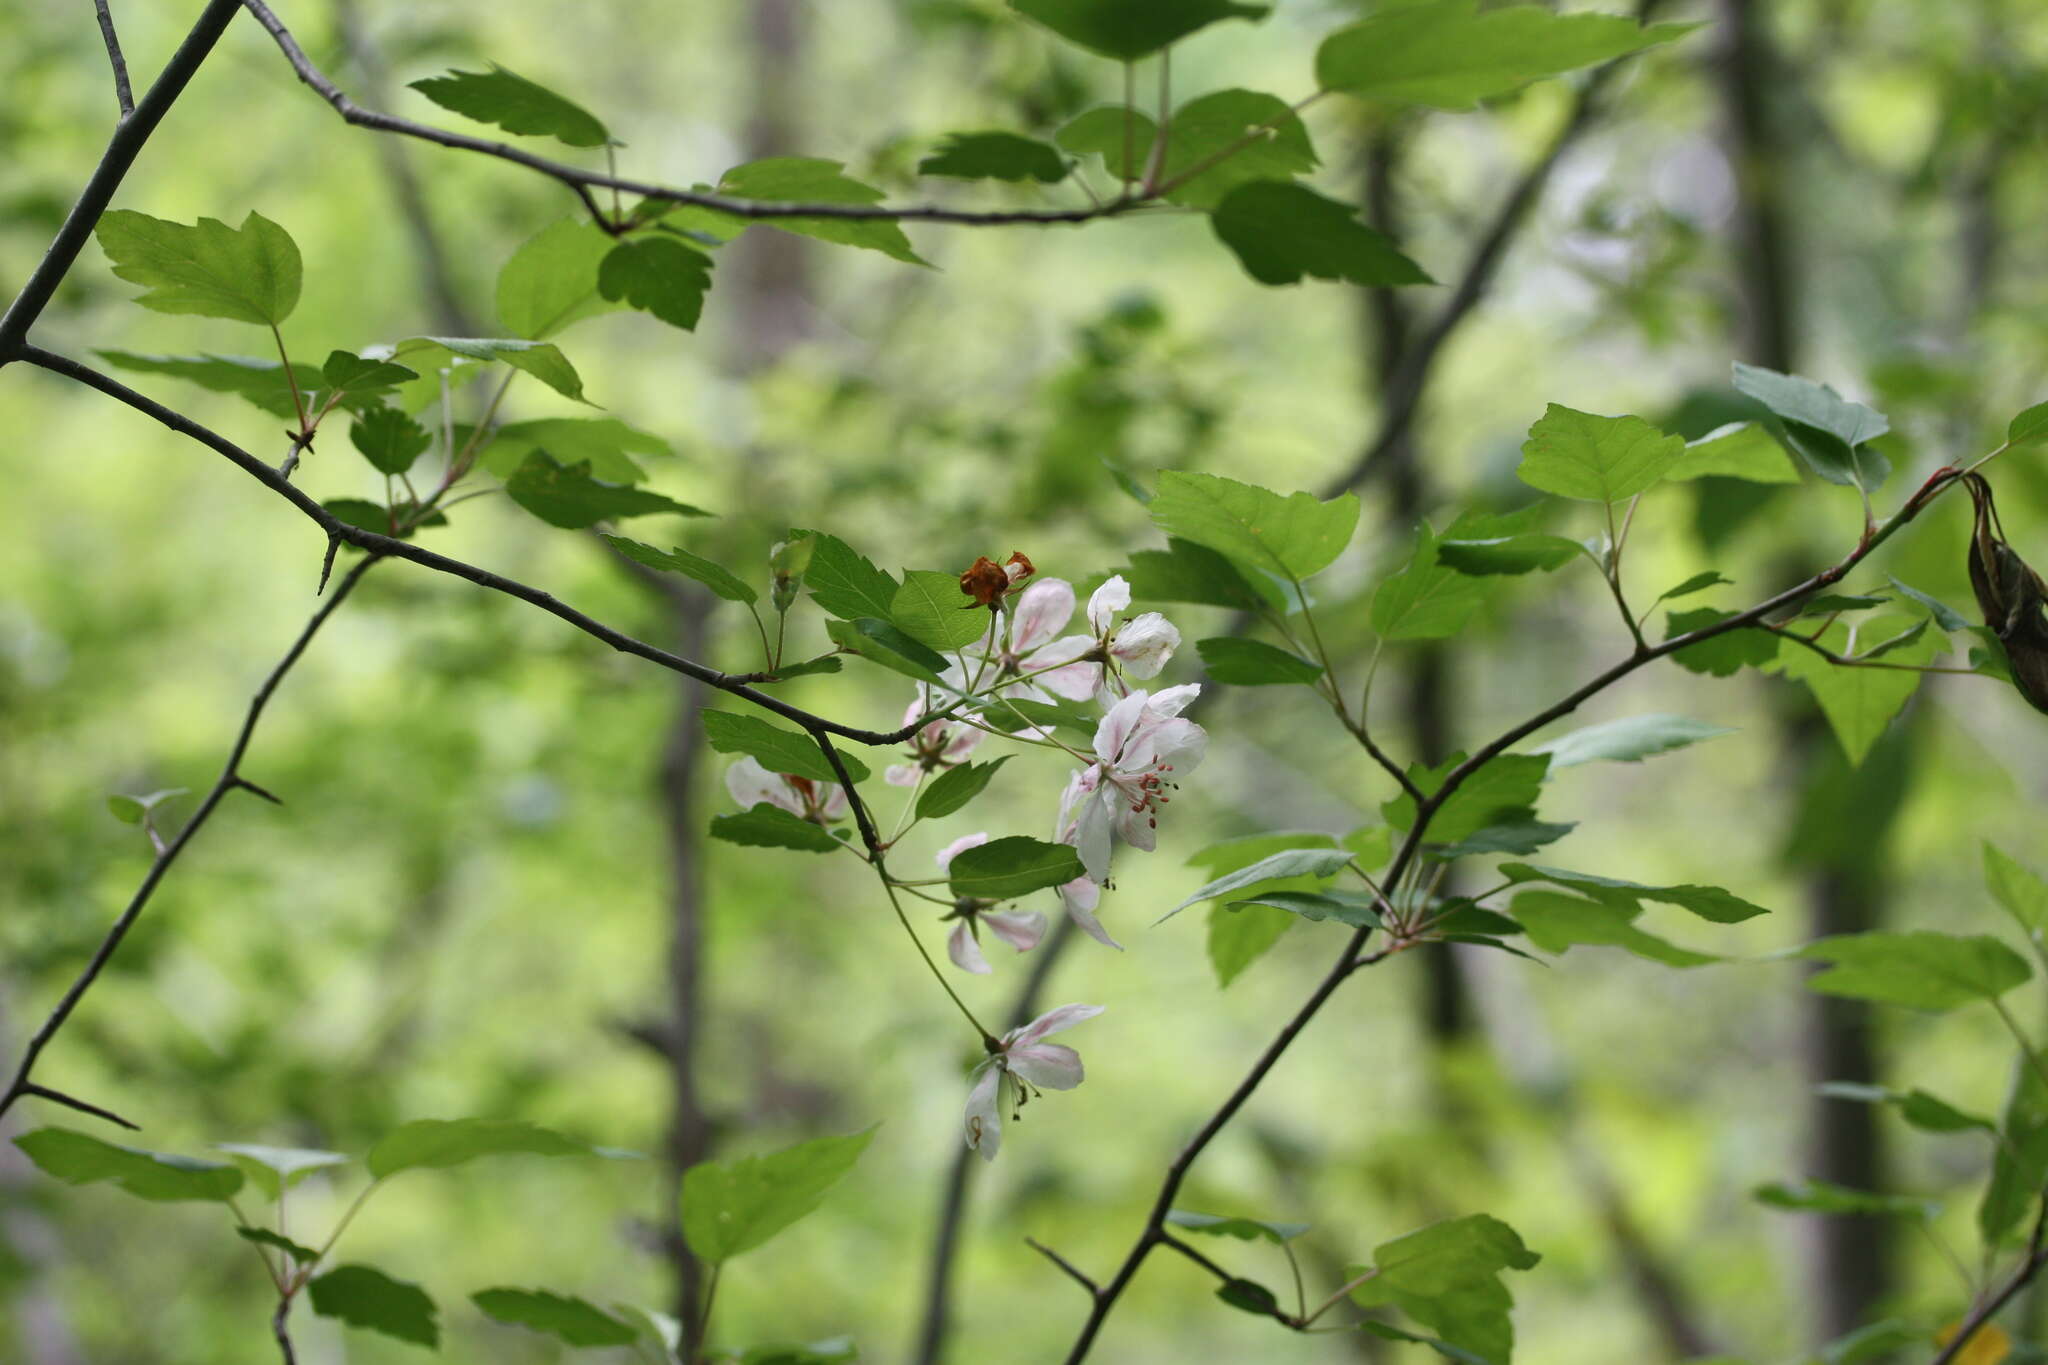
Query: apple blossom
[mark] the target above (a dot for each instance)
(1112, 649)
(1081, 895)
(750, 784)
(1141, 748)
(1021, 929)
(937, 746)
(1019, 1067)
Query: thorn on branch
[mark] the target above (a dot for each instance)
(327, 563)
(1094, 1290)
(73, 1102)
(246, 785)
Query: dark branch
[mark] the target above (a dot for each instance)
(1094, 1290)
(1167, 1239)
(122, 94)
(43, 1092)
(2023, 1275)
(228, 780)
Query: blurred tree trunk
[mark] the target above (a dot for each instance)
(33, 1322)
(1849, 1265)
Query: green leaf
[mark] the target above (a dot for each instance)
(1516, 554)
(1346, 907)
(1555, 922)
(551, 280)
(361, 376)
(1280, 232)
(845, 582)
(1210, 126)
(516, 104)
(779, 750)
(541, 359)
(824, 663)
(364, 1297)
(1250, 1296)
(831, 1351)
(388, 439)
(304, 1255)
(274, 1169)
(881, 643)
(245, 274)
(1187, 572)
(130, 810)
(569, 497)
(1508, 783)
(440, 1143)
(1820, 1196)
(1739, 450)
(605, 443)
(931, 609)
(1515, 835)
(262, 382)
(1446, 56)
(1253, 663)
(1292, 537)
(1004, 869)
(564, 1317)
(1101, 132)
(1244, 1229)
(1826, 428)
(1945, 616)
(2020, 890)
(1287, 862)
(2029, 426)
(1929, 1113)
(1725, 654)
(2019, 1162)
(79, 1159)
(1858, 702)
(1020, 713)
(1239, 935)
(817, 181)
(955, 787)
(1447, 1277)
(1125, 30)
(1600, 459)
(1426, 600)
(1917, 969)
(733, 1206)
(1229, 855)
(1386, 1331)
(658, 275)
(1629, 740)
(1708, 902)
(1699, 582)
(716, 577)
(995, 156)
(767, 826)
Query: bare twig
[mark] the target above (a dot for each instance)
(1063, 1263)
(1167, 1239)
(229, 780)
(122, 94)
(44, 1092)
(2022, 1275)
(280, 1330)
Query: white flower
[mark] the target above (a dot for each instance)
(1142, 749)
(1138, 647)
(751, 784)
(1021, 929)
(935, 747)
(1081, 895)
(1022, 1065)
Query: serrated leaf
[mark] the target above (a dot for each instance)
(1244, 1229)
(1447, 1277)
(1508, 783)
(1738, 450)
(845, 582)
(1125, 30)
(1288, 862)
(1858, 702)
(1825, 428)
(569, 496)
(512, 102)
(551, 280)
(362, 376)
(1281, 232)
(274, 1169)
(1253, 663)
(881, 643)
(729, 1207)
(1345, 907)
(995, 156)
(931, 609)
(1223, 124)
(1187, 572)
(815, 180)
(767, 826)
(441, 1143)
(1725, 654)
(1554, 922)
(605, 443)
(80, 1159)
(564, 1317)
(1426, 600)
(1708, 902)
(303, 1255)
(716, 577)
(1916, 969)
(1599, 459)
(1629, 740)
(1004, 869)
(368, 1298)
(389, 439)
(657, 275)
(1447, 56)
(1292, 537)
(245, 274)
(779, 750)
(955, 787)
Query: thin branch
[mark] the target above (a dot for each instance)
(281, 1331)
(2023, 1275)
(1167, 1239)
(339, 530)
(44, 1092)
(229, 780)
(122, 94)
(1094, 1290)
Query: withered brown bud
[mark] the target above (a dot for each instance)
(1018, 566)
(2011, 596)
(985, 582)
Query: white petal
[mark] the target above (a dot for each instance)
(1051, 1022)
(750, 784)
(1143, 645)
(1136, 827)
(965, 952)
(1021, 929)
(902, 774)
(1105, 602)
(1091, 834)
(1078, 786)
(1042, 609)
(1116, 728)
(1052, 1066)
(1075, 681)
(834, 804)
(1171, 701)
(1081, 896)
(946, 855)
(984, 1112)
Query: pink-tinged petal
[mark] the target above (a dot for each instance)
(1050, 1066)
(1051, 1022)
(1105, 602)
(834, 805)
(1114, 732)
(1078, 786)
(1043, 609)
(1021, 929)
(1081, 896)
(965, 740)
(984, 1112)
(1175, 743)
(902, 774)
(918, 706)
(750, 784)
(1091, 834)
(1076, 680)
(946, 855)
(1144, 644)
(1136, 827)
(965, 952)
